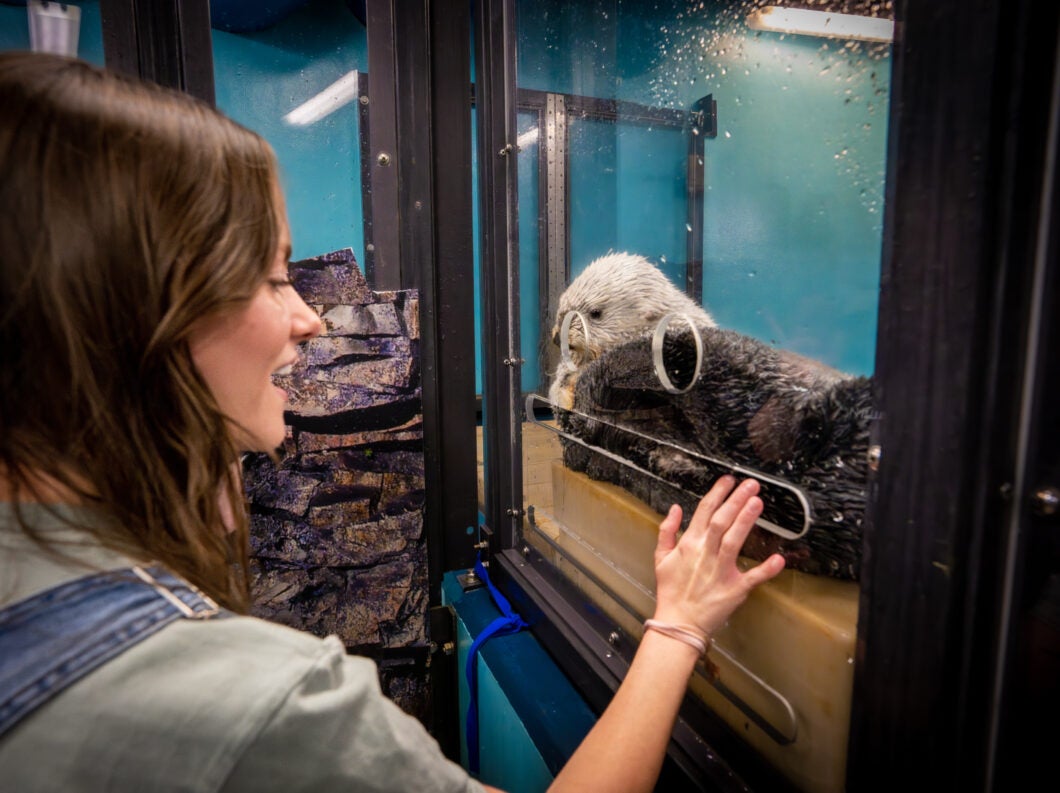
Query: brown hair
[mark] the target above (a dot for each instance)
(127, 212)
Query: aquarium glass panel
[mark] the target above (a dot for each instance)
(704, 240)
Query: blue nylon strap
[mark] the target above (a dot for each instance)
(509, 622)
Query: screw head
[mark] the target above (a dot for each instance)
(875, 453)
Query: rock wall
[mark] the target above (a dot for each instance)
(337, 540)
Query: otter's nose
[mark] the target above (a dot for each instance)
(555, 335)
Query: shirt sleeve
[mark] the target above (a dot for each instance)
(336, 731)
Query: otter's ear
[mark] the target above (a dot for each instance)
(653, 316)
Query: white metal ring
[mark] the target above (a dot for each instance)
(564, 335)
(657, 352)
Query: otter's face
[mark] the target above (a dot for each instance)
(581, 351)
(612, 319)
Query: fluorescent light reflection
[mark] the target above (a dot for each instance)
(821, 23)
(528, 138)
(338, 94)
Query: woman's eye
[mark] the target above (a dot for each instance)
(279, 283)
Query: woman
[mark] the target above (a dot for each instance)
(144, 306)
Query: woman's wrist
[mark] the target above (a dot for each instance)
(688, 635)
(682, 632)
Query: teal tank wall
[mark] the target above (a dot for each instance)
(261, 76)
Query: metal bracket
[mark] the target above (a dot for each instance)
(469, 580)
(442, 620)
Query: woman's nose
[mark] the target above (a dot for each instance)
(305, 322)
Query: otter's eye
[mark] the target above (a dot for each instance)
(596, 313)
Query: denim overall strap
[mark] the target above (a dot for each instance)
(53, 639)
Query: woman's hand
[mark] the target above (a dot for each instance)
(697, 581)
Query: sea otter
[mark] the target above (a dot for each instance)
(620, 296)
(750, 405)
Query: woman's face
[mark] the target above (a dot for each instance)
(238, 352)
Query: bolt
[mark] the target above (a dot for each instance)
(875, 453)
(383, 159)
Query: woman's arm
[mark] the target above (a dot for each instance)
(698, 586)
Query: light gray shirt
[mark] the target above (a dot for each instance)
(237, 705)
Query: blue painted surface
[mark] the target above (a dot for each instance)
(530, 716)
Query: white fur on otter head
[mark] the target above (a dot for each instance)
(621, 296)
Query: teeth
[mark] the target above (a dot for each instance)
(284, 370)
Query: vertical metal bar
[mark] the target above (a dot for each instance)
(704, 119)
(499, 255)
(421, 233)
(430, 137)
(165, 41)
(449, 275)
(364, 123)
(556, 191)
(383, 263)
(547, 352)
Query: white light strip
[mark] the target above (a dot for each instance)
(528, 138)
(821, 23)
(339, 93)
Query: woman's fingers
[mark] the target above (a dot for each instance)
(668, 533)
(711, 502)
(719, 508)
(732, 535)
(763, 572)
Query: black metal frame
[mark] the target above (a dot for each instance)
(495, 98)
(165, 41)
(949, 509)
(418, 67)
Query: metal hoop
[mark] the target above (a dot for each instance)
(657, 352)
(564, 335)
